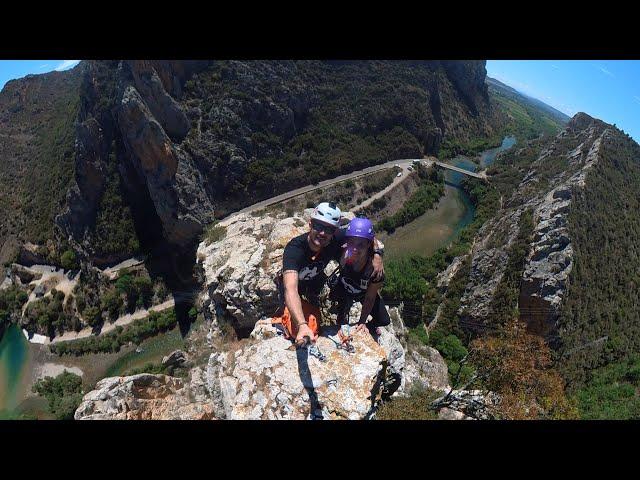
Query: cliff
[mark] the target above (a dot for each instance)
(257, 376)
(154, 149)
(546, 191)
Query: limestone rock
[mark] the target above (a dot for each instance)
(240, 269)
(174, 359)
(267, 380)
(425, 367)
(147, 397)
(550, 259)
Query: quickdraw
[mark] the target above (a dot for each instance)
(312, 348)
(346, 340)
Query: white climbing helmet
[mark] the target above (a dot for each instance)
(327, 212)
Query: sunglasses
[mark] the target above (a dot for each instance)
(322, 227)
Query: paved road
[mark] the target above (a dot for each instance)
(396, 181)
(309, 188)
(404, 163)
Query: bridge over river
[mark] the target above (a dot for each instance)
(403, 164)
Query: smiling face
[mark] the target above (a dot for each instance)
(320, 234)
(357, 249)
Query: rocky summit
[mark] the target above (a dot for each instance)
(267, 380)
(261, 377)
(147, 397)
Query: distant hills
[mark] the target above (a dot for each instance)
(512, 93)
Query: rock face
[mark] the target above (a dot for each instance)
(240, 269)
(260, 380)
(549, 261)
(266, 380)
(147, 397)
(187, 138)
(140, 132)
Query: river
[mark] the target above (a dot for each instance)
(454, 211)
(14, 368)
(424, 235)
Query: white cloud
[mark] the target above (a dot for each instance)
(66, 64)
(604, 70)
(43, 66)
(553, 65)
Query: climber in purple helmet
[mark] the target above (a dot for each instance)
(353, 281)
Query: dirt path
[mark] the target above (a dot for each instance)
(325, 183)
(396, 181)
(54, 278)
(120, 322)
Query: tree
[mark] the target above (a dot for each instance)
(518, 367)
(68, 260)
(64, 394)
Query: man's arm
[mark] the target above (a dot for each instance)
(378, 264)
(294, 304)
(369, 299)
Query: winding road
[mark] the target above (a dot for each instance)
(404, 164)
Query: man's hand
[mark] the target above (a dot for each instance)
(378, 268)
(361, 327)
(305, 331)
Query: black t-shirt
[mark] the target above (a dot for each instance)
(355, 283)
(309, 264)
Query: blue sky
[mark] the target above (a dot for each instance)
(10, 69)
(608, 89)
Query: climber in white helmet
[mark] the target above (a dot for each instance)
(304, 260)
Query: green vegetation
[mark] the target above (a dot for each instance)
(151, 352)
(423, 199)
(68, 260)
(97, 299)
(114, 231)
(346, 194)
(38, 153)
(611, 392)
(155, 368)
(138, 290)
(504, 305)
(415, 406)
(348, 115)
(452, 147)
(135, 332)
(64, 394)
(604, 283)
(523, 119)
(413, 277)
(214, 232)
(50, 314)
(11, 301)
(453, 352)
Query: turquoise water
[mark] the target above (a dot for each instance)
(487, 157)
(424, 235)
(437, 227)
(14, 356)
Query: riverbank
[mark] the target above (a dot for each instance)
(433, 229)
(440, 225)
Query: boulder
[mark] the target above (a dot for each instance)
(266, 379)
(174, 359)
(240, 268)
(147, 397)
(39, 291)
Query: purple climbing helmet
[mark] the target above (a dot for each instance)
(360, 227)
